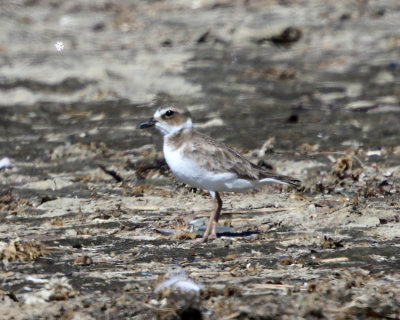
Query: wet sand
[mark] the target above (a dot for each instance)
(92, 219)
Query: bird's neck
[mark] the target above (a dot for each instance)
(188, 124)
(177, 138)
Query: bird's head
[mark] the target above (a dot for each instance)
(169, 119)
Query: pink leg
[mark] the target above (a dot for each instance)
(211, 230)
(218, 209)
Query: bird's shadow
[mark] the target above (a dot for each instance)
(233, 234)
(237, 234)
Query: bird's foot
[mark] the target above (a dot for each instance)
(200, 241)
(210, 237)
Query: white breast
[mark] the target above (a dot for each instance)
(191, 172)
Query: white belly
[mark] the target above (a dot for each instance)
(190, 172)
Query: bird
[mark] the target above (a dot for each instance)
(205, 163)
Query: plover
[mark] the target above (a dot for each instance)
(202, 162)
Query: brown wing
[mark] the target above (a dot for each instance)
(221, 158)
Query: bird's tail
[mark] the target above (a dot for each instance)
(279, 178)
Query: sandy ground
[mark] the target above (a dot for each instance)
(93, 224)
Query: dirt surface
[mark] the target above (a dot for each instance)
(93, 224)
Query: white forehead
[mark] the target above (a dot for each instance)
(159, 113)
(162, 110)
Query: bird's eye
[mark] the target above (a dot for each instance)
(169, 113)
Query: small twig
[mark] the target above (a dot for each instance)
(338, 153)
(272, 286)
(144, 304)
(246, 211)
(339, 209)
(112, 173)
(231, 316)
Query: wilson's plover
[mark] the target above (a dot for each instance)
(202, 162)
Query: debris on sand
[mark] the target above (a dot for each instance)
(5, 163)
(83, 260)
(178, 282)
(185, 235)
(267, 146)
(331, 100)
(21, 251)
(180, 295)
(56, 289)
(343, 166)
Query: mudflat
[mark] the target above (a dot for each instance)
(94, 225)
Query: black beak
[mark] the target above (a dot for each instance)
(147, 124)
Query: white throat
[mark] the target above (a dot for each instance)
(167, 129)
